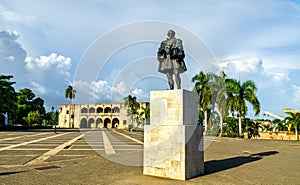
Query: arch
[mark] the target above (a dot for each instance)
(83, 123)
(99, 110)
(84, 110)
(107, 123)
(98, 122)
(92, 110)
(116, 110)
(107, 110)
(115, 123)
(91, 123)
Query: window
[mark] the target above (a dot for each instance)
(92, 110)
(84, 110)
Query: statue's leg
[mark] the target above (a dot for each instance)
(170, 80)
(177, 79)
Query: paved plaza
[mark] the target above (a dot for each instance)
(107, 156)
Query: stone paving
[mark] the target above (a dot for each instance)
(85, 161)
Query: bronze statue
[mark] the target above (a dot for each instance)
(170, 56)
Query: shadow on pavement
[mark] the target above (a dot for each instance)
(224, 164)
(10, 173)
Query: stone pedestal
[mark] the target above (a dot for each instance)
(173, 142)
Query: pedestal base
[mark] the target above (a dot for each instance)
(173, 142)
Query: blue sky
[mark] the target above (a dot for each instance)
(45, 44)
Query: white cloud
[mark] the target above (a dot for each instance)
(278, 76)
(10, 49)
(44, 75)
(95, 91)
(267, 30)
(119, 91)
(234, 65)
(53, 62)
(140, 94)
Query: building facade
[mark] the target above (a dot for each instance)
(114, 115)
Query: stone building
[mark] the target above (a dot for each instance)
(106, 115)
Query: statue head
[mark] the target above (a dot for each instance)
(171, 34)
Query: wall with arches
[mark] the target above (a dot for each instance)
(94, 115)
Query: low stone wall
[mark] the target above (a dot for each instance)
(280, 135)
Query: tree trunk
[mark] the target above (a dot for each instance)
(221, 125)
(240, 125)
(205, 122)
(297, 134)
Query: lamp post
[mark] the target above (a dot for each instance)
(53, 119)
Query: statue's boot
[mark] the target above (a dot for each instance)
(171, 86)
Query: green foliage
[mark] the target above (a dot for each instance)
(204, 92)
(51, 118)
(252, 129)
(26, 102)
(213, 130)
(33, 118)
(238, 94)
(294, 120)
(22, 106)
(280, 125)
(230, 127)
(144, 115)
(228, 95)
(133, 106)
(7, 95)
(70, 93)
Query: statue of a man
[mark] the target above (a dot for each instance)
(170, 56)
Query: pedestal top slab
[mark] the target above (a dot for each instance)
(173, 107)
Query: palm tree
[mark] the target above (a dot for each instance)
(279, 125)
(238, 94)
(294, 120)
(219, 95)
(70, 93)
(203, 90)
(133, 105)
(145, 113)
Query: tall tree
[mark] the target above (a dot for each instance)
(24, 105)
(217, 84)
(70, 93)
(145, 113)
(7, 95)
(238, 94)
(133, 105)
(294, 120)
(37, 104)
(203, 90)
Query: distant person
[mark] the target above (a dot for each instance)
(170, 56)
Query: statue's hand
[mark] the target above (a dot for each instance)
(161, 52)
(177, 54)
